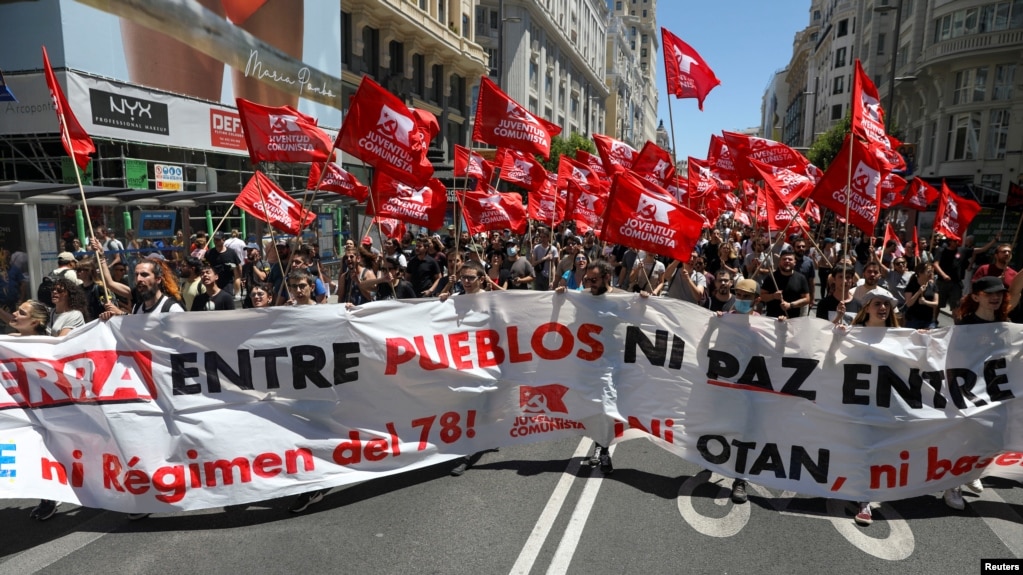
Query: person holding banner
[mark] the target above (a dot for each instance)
(789, 291)
(156, 291)
(840, 302)
(878, 311)
(390, 284)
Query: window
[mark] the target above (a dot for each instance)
(1004, 75)
(438, 83)
(880, 44)
(816, 15)
(839, 86)
(997, 133)
(346, 40)
(481, 18)
(840, 57)
(960, 93)
(419, 74)
(979, 84)
(644, 13)
(963, 136)
(371, 51)
(836, 112)
(493, 20)
(618, 6)
(396, 51)
(534, 75)
(843, 28)
(642, 53)
(990, 189)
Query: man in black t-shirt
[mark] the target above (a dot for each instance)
(423, 270)
(226, 263)
(785, 292)
(721, 299)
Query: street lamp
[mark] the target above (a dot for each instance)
(890, 108)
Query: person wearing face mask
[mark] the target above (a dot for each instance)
(521, 272)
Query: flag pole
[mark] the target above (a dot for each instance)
(273, 238)
(674, 151)
(85, 206)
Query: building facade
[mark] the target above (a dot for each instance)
(639, 22)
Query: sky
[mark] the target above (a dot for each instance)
(745, 42)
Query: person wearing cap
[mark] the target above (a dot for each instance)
(66, 263)
(878, 311)
(986, 303)
(227, 264)
(254, 271)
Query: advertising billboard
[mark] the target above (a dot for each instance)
(275, 52)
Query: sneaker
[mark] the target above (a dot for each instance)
(459, 469)
(864, 517)
(975, 486)
(954, 499)
(605, 462)
(44, 510)
(595, 458)
(137, 516)
(739, 491)
(302, 502)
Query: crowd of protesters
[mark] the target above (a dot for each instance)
(730, 271)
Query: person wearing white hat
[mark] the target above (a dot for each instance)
(66, 263)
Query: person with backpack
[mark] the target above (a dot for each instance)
(65, 270)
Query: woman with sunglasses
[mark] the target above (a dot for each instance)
(573, 278)
(70, 307)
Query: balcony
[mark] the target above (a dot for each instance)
(946, 49)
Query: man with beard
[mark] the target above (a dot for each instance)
(188, 269)
(721, 299)
(785, 292)
(598, 280)
(804, 263)
(212, 297)
(999, 267)
(871, 279)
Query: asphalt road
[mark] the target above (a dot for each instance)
(530, 509)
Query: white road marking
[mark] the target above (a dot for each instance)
(570, 539)
(524, 563)
(1007, 526)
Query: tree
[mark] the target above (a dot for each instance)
(562, 147)
(827, 145)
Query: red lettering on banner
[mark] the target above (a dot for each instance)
(94, 377)
(226, 130)
(468, 350)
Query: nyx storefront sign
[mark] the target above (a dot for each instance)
(128, 112)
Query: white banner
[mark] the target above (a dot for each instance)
(198, 410)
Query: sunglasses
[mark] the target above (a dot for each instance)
(298, 286)
(468, 278)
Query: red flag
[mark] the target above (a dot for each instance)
(920, 194)
(643, 216)
(264, 200)
(390, 227)
(654, 165)
(687, 75)
(337, 180)
(916, 244)
(594, 163)
(617, 155)
(779, 212)
(867, 114)
(1015, 198)
(790, 186)
(77, 142)
(704, 180)
(767, 151)
(381, 131)
(889, 235)
(812, 211)
(720, 157)
(470, 164)
(585, 206)
(954, 214)
(522, 169)
(486, 210)
(546, 204)
(891, 190)
(423, 206)
(571, 170)
(503, 122)
(281, 134)
(865, 199)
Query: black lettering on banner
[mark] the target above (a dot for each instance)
(756, 374)
(960, 385)
(346, 357)
(215, 365)
(742, 449)
(180, 372)
(851, 384)
(721, 364)
(703, 445)
(995, 379)
(273, 380)
(804, 368)
(306, 363)
(888, 380)
(936, 379)
(657, 351)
